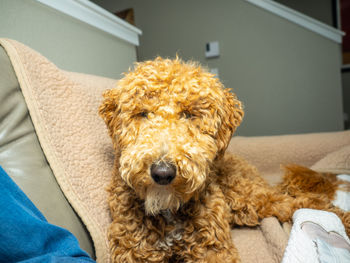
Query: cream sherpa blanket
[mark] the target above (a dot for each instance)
(63, 107)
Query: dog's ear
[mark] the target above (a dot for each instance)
(231, 116)
(109, 107)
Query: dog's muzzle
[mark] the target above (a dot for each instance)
(163, 173)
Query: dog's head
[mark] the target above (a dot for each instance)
(169, 120)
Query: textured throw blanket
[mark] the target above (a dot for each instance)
(63, 107)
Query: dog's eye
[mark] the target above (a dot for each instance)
(186, 114)
(142, 114)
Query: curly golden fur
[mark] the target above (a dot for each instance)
(177, 117)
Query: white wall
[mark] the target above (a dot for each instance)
(70, 44)
(287, 76)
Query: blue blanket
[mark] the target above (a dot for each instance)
(25, 234)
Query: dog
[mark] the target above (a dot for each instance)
(175, 193)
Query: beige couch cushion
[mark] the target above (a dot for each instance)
(268, 153)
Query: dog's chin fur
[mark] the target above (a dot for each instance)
(159, 198)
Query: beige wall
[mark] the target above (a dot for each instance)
(70, 44)
(287, 77)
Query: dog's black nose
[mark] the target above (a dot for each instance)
(163, 173)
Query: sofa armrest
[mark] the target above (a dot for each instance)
(23, 159)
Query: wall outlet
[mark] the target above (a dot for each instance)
(212, 49)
